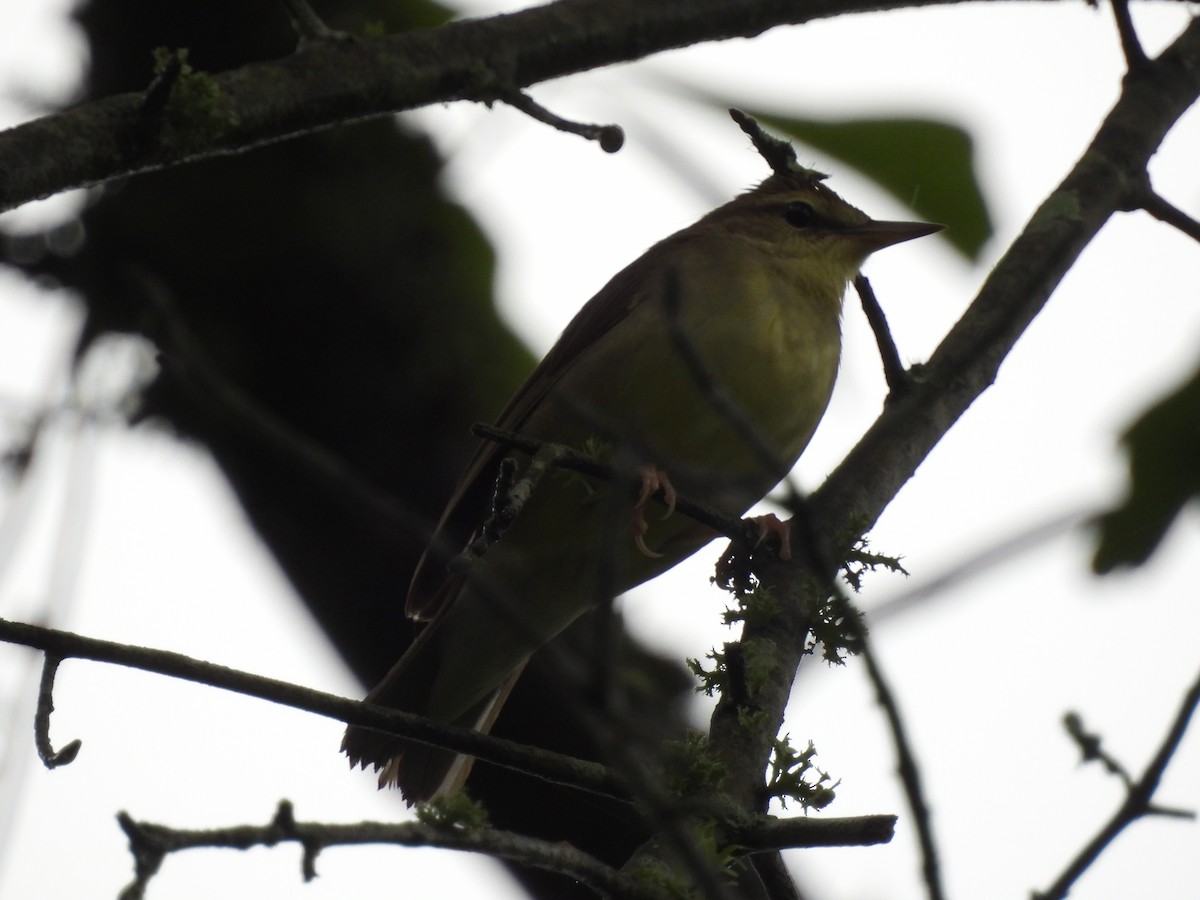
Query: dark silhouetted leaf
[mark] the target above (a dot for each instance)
(1164, 470)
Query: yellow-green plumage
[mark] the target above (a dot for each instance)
(758, 285)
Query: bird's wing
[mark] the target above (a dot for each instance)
(431, 586)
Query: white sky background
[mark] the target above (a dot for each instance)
(983, 673)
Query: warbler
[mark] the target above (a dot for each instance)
(728, 327)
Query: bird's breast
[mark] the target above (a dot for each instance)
(748, 345)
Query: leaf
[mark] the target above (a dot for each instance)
(928, 165)
(1164, 474)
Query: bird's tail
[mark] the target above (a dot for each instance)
(421, 771)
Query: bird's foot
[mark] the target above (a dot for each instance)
(770, 524)
(653, 481)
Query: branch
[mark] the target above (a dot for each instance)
(333, 82)
(150, 843)
(1138, 799)
(893, 368)
(60, 645)
(1131, 46)
(50, 757)
(780, 834)
(1167, 212)
(907, 769)
(1153, 98)
(557, 767)
(611, 138)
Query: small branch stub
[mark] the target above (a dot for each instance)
(779, 155)
(50, 757)
(611, 138)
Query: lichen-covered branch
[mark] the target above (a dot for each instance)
(333, 82)
(1153, 98)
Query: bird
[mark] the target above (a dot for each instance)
(746, 302)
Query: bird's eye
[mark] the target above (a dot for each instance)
(799, 214)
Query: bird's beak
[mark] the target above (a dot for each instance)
(877, 235)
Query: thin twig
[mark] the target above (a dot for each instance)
(1092, 750)
(150, 843)
(780, 155)
(907, 768)
(1158, 207)
(1135, 56)
(1138, 800)
(546, 764)
(611, 138)
(51, 758)
(780, 834)
(893, 368)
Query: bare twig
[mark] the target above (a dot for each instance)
(1092, 750)
(150, 843)
(51, 758)
(1158, 207)
(1135, 56)
(780, 834)
(893, 367)
(541, 763)
(907, 768)
(611, 138)
(1138, 800)
(779, 154)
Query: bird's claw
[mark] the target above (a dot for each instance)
(770, 524)
(639, 528)
(653, 481)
